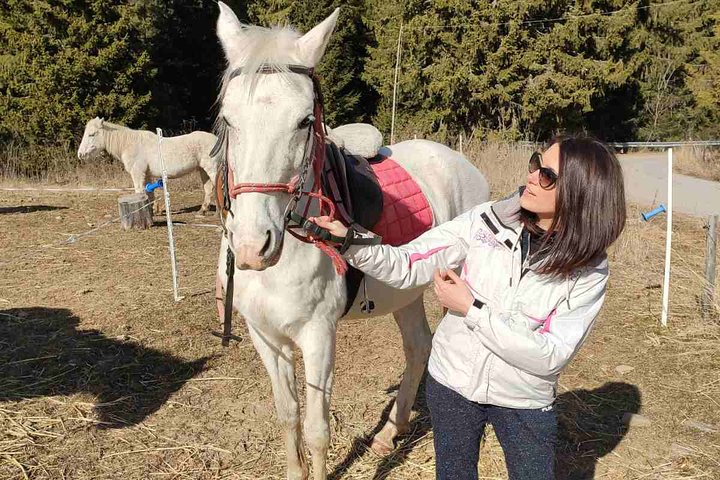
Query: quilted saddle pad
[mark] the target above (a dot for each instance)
(406, 212)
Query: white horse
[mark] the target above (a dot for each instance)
(288, 291)
(138, 152)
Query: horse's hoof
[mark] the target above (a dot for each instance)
(380, 448)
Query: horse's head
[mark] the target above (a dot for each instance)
(266, 114)
(92, 143)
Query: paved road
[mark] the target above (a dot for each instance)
(646, 184)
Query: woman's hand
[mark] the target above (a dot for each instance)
(335, 227)
(453, 292)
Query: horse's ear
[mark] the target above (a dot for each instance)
(229, 31)
(312, 45)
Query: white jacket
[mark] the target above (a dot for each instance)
(509, 352)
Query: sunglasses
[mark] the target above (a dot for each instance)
(548, 177)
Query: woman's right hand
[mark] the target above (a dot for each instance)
(335, 227)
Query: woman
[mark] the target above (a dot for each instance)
(533, 278)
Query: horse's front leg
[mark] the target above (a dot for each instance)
(141, 178)
(280, 364)
(317, 342)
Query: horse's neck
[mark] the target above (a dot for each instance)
(119, 141)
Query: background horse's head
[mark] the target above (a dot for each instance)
(92, 144)
(264, 119)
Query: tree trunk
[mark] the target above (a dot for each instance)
(134, 213)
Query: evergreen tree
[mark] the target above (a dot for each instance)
(704, 83)
(676, 37)
(497, 66)
(66, 60)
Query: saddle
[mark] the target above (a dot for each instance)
(352, 185)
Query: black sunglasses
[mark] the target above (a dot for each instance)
(548, 177)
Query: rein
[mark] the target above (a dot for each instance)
(313, 158)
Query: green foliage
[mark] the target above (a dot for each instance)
(675, 37)
(66, 60)
(704, 82)
(622, 69)
(498, 67)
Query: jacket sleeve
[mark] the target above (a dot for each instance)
(546, 350)
(413, 264)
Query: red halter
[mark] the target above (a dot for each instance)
(315, 160)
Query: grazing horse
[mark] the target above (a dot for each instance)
(138, 152)
(289, 292)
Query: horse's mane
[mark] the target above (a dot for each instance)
(120, 136)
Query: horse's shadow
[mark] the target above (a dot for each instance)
(42, 353)
(590, 425)
(30, 209)
(419, 427)
(196, 209)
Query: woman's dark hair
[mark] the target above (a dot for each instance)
(589, 208)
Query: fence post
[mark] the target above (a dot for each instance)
(168, 218)
(668, 241)
(708, 295)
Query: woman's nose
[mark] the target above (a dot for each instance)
(533, 177)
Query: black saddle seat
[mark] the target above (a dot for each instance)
(352, 184)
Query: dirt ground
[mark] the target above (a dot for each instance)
(104, 376)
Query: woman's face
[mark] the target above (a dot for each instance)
(537, 197)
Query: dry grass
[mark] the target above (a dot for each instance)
(58, 166)
(701, 162)
(102, 375)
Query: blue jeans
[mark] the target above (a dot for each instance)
(527, 437)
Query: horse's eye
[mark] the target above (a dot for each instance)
(306, 122)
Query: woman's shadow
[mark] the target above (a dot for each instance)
(590, 425)
(42, 353)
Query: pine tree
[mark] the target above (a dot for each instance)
(65, 61)
(496, 66)
(679, 43)
(704, 83)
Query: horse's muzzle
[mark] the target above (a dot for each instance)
(260, 253)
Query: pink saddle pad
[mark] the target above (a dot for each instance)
(406, 212)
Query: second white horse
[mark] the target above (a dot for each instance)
(138, 152)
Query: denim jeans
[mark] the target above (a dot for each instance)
(527, 437)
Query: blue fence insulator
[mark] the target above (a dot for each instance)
(647, 216)
(150, 187)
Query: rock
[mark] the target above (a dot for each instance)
(623, 369)
(636, 420)
(702, 427)
(678, 451)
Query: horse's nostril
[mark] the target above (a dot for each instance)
(268, 243)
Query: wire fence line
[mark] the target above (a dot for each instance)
(669, 144)
(63, 190)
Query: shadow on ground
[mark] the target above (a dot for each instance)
(43, 353)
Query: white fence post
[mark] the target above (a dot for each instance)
(668, 241)
(168, 218)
